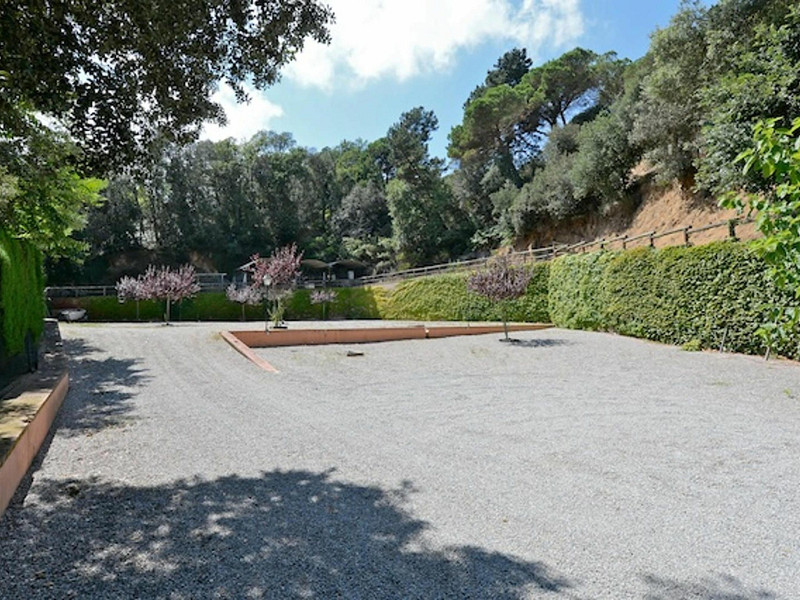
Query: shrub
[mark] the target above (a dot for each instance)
(350, 303)
(445, 298)
(676, 295)
(21, 301)
(574, 296)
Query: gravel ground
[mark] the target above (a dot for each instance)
(571, 465)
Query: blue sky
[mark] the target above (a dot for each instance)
(388, 56)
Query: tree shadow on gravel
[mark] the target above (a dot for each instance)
(101, 390)
(289, 534)
(722, 587)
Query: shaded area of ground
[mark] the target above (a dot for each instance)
(102, 388)
(290, 534)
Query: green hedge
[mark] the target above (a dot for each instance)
(445, 298)
(574, 300)
(22, 307)
(436, 298)
(675, 295)
(351, 303)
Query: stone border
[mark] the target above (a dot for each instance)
(19, 457)
(243, 341)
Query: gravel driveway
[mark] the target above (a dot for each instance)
(572, 465)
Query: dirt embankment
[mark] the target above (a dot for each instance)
(659, 209)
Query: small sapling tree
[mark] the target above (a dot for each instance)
(131, 288)
(500, 282)
(323, 297)
(275, 278)
(244, 296)
(170, 285)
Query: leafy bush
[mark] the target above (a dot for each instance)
(674, 295)
(574, 298)
(350, 303)
(21, 301)
(209, 306)
(445, 298)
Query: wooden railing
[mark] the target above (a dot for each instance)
(554, 250)
(519, 257)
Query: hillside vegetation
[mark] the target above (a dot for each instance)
(560, 150)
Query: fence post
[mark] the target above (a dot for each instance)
(624, 242)
(652, 239)
(603, 244)
(732, 229)
(686, 233)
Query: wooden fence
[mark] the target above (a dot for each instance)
(554, 250)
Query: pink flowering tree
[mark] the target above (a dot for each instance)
(324, 297)
(170, 285)
(131, 288)
(500, 282)
(275, 278)
(244, 296)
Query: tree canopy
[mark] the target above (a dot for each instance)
(122, 75)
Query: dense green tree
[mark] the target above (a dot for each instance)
(364, 213)
(550, 195)
(669, 115)
(116, 224)
(43, 198)
(122, 74)
(754, 53)
(508, 70)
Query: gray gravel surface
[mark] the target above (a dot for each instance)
(571, 465)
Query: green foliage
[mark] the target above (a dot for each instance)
(43, 198)
(445, 298)
(21, 302)
(776, 158)
(350, 303)
(692, 346)
(602, 166)
(128, 74)
(574, 299)
(550, 196)
(673, 295)
(668, 115)
(754, 50)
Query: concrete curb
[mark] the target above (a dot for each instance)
(245, 351)
(21, 454)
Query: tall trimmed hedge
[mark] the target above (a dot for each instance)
(22, 308)
(674, 295)
(351, 303)
(445, 298)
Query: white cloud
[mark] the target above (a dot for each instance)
(244, 120)
(402, 38)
